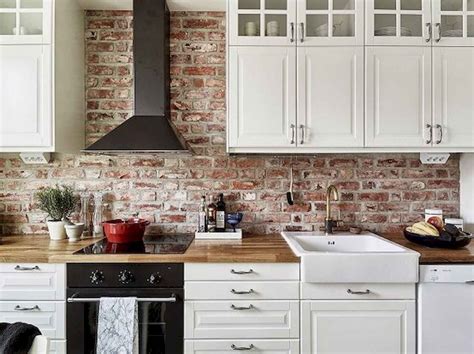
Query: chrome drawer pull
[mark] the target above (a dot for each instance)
(234, 347)
(241, 308)
(34, 308)
(20, 268)
(233, 291)
(349, 291)
(471, 282)
(233, 271)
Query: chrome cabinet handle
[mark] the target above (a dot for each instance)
(234, 347)
(470, 282)
(366, 292)
(292, 30)
(20, 268)
(302, 32)
(440, 127)
(430, 140)
(233, 271)
(293, 133)
(430, 32)
(233, 291)
(302, 134)
(241, 308)
(438, 26)
(34, 308)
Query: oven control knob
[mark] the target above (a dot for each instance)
(97, 277)
(126, 277)
(154, 279)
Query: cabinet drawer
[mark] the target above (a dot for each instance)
(241, 319)
(284, 290)
(261, 346)
(357, 291)
(48, 316)
(19, 281)
(57, 347)
(241, 271)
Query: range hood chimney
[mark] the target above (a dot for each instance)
(149, 130)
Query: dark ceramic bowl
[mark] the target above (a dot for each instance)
(437, 242)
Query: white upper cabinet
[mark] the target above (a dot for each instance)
(331, 97)
(262, 22)
(25, 21)
(398, 96)
(453, 22)
(330, 22)
(262, 101)
(453, 97)
(398, 22)
(25, 96)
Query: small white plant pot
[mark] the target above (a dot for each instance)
(74, 232)
(56, 230)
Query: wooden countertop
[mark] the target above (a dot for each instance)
(40, 249)
(256, 248)
(436, 255)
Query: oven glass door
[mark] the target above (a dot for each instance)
(160, 323)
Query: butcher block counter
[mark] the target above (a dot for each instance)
(254, 248)
(436, 255)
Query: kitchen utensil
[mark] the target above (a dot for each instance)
(289, 194)
(234, 219)
(437, 242)
(125, 231)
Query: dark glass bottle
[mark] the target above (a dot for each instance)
(220, 214)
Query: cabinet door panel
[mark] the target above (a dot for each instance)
(453, 22)
(25, 96)
(262, 103)
(370, 327)
(453, 101)
(398, 96)
(331, 97)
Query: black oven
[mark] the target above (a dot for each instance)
(158, 288)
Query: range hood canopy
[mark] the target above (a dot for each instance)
(150, 129)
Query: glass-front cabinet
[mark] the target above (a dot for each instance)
(330, 22)
(262, 22)
(25, 21)
(453, 22)
(290, 22)
(399, 22)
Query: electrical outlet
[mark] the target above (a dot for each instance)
(35, 158)
(434, 159)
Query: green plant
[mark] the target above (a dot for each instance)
(59, 202)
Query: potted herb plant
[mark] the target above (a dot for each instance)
(59, 202)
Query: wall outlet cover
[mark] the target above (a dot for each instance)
(35, 158)
(433, 159)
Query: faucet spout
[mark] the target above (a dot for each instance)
(331, 193)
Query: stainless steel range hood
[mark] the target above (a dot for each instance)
(150, 129)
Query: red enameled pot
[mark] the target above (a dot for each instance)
(125, 231)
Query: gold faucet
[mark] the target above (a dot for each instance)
(333, 193)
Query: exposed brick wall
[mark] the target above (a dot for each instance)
(379, 191)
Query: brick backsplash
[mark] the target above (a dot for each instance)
(382, 192)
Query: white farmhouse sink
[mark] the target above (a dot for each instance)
(347, 258)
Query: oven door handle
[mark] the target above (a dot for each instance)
(74, 299)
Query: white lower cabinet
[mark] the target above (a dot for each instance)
(369, 327)
(241, 319)
(232, 307)
(36, 294)
(260, 346)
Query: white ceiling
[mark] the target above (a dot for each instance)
(174, 5)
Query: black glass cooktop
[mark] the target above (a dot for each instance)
(151, 244)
